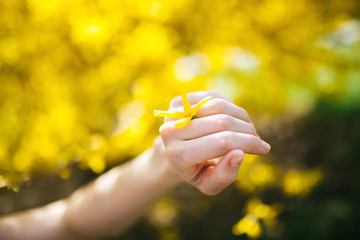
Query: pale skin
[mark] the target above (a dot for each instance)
(207, 153)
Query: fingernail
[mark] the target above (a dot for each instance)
(235, 161)
(266, 146)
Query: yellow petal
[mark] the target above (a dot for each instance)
(182, 122)
(186, 105)
(199, 105)
(177, 115)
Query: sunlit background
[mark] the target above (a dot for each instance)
(79, 80)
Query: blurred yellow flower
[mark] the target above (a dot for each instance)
(164, 212)
(256, 211)
(266, 212)
(96, 163)
(185, 117)
(249, 225)
(300, 183)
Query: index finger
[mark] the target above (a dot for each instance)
(195, 97)
(217, 106)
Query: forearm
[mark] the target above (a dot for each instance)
(221, 131)
(107, 206)
(118, 198)
(36, 224)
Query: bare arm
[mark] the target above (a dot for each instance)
(120, 197)
(106, 207)
(207, 154)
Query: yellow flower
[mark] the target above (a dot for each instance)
(250, 225)
(185, 117)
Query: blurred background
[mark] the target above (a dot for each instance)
(79, 80)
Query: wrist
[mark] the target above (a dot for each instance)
(161, 161)
(154, 167)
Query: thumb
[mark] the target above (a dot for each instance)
(225, 172)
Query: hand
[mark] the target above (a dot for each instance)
(208, 152)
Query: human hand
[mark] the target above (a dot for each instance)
(208, 152)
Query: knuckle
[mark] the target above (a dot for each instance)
(246, 114)
(253, 130)
(176, 156)
(213, 93)
(225, 141)
(216, 94)
(219, 104)
(166, 131)
(175, 101)
(224, 121)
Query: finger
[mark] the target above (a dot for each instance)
(224, 173)
(217, 106)
(218, 144)
(195, 97)
(200, 127)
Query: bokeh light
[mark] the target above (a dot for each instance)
(79, 80)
